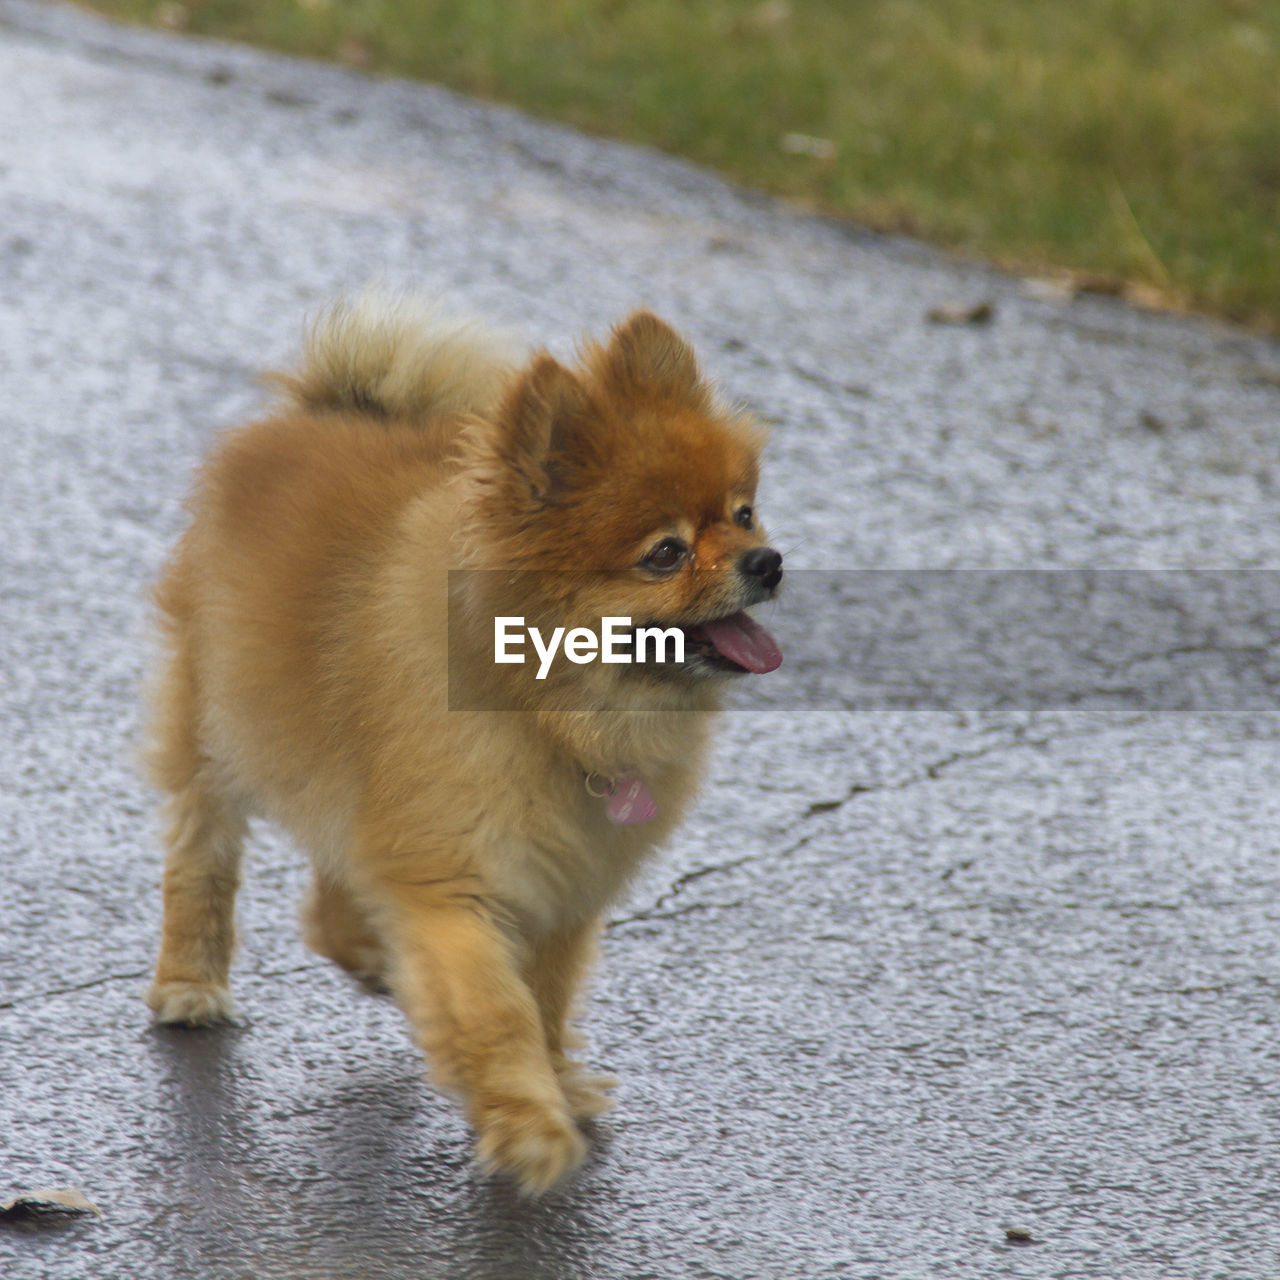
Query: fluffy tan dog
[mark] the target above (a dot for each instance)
(330, 615)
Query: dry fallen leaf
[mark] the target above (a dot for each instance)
(1106, 286)
(962, 313)
(771, 16)
(1051, 289)
(801, 144)
(355, 52)
(172, 17)
(47, 1200)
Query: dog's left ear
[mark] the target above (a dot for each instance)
(647, 358)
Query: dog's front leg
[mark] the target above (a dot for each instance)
(456, 974)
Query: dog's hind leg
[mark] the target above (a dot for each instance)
(334, 926)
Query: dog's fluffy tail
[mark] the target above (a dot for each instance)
(399, 357)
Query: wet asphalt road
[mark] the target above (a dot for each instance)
(914, 975)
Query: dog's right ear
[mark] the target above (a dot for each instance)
(546, 428)
(646, 357)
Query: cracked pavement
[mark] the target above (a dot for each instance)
(939, 989)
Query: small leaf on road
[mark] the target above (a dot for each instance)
(47, 1202)
(961, 313)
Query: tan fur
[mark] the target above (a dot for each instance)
(400, 356)
(314, 631)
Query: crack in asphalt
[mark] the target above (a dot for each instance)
(54, 992)
(1019, 737)
(137, 975)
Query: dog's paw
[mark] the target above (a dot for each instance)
(361, 956)
(191, 1004)
(587, 1094)
(534, 1145)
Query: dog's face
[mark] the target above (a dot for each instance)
(626, 489)
(688, 549)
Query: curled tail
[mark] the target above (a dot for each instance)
(399, 357)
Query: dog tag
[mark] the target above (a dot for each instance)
(630, 801)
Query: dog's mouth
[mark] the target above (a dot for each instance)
(736, 644)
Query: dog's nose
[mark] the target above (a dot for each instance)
(763, 563)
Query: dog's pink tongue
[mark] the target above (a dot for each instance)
(743, 640)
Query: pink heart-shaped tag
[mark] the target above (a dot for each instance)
(630, 801)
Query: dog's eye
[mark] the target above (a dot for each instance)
(744, 516)
(666, 555)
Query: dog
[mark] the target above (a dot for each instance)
(332, 618)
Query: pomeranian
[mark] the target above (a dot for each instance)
(345, 620)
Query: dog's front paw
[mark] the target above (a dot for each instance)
(192, 1004)
(533, 1144)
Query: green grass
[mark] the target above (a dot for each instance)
(1132, 139)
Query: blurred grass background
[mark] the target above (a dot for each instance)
(1133, 145)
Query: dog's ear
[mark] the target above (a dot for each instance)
(550, 424)
(646, 358)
